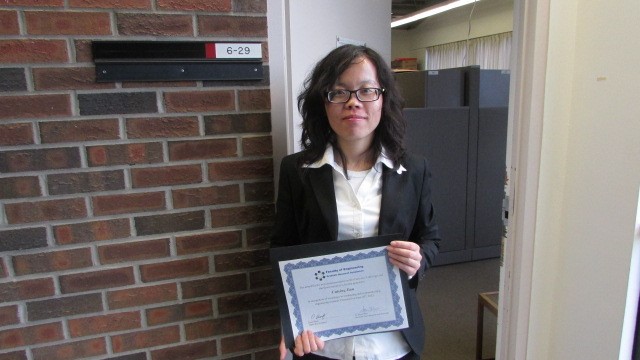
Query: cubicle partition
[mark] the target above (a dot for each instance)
(458, 119)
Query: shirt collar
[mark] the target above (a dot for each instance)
(329, 159)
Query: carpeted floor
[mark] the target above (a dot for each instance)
(449, 303)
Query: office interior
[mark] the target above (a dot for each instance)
(457, 112)
(562, 280)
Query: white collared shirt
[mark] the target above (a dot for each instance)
(358, 201)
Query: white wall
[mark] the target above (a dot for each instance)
(300, 34)
(589, 179)
(489, 17)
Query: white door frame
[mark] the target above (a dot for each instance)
(524, 144)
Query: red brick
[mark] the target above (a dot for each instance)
(199, 101)
(211, 242)
(31, 335)
(241, 170)
(101, 324)
(141, 296)
(237, 123)
(96, 280)
(169, 223)
(213, 286)
(162, 127)
(128, 203)
(258, 235)
(26, 289)
(254, 100)
(84, 130)
(22, 51)
(247, 342)
(19, 187)
(67, 23)
(34, 106)
(260, 279)
(265, 52)
(83, 50)
(48, 3)
(52, 261)
(159, 84)
(74, 350)
(9, 315)
(14, 355)
(202, 149)
(64, 306)
(195, 5)
(117, 103)
(272, 353)
(174, 269)
(265, 319)
(241, 260)
(241, 215)
(39, 159)
(132, 251)
(9, 23)
(26, 212)
(246, 357)
(3, 269)
(67, 79)
(128, 154)
(205, 349)
(165, 176)
(245, 302)
(257, 146)
(216, 327)
(211, 195)
(21, 239)
(145, 339)
(73, 183)
(236, 26)
(179, 312)
(259, 191)
(155, 24)
(250, 6)
(16, 134)
(111, 4)
(91, 231)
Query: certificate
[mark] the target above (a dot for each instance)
(340, 288)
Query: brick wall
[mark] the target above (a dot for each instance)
(133, 216)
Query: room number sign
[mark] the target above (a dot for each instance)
(232, 51)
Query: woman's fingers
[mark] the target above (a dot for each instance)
(406, 255)
(307, 342)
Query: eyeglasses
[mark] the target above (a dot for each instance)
(364, 95)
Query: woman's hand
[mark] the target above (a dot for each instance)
(304, 344)
(406, 255)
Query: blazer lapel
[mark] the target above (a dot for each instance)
(321, 180)
(391, 200)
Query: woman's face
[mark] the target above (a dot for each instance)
(354, 122)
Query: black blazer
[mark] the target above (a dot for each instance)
(306, 212)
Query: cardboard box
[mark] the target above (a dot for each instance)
(405, 63)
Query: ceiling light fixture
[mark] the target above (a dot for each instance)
(430, 11)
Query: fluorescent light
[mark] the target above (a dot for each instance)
(430, 11)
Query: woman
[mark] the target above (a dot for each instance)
(354, 179)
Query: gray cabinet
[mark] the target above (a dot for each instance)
(457, 118)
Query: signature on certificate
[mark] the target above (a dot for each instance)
(368, 310)
(318, 316)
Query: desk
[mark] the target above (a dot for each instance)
(486, 300)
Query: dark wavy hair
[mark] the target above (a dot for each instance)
(316, 131)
